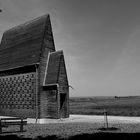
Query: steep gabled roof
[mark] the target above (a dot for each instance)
(22, 45)
(53, 68)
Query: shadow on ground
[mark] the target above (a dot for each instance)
(108, 129)
(95, 136)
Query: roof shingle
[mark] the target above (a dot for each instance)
(22, 45)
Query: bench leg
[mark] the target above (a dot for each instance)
(21, 125)
(0, 127)
(21, 128)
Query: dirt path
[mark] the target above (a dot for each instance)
(97, 118)
(77, 125)
(90, 119)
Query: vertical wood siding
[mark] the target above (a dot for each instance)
(49, 107)
(45, 96)
(21, 45)
(30, 44)
(56, 74)
(63, 89)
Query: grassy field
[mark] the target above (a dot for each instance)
(120, 106)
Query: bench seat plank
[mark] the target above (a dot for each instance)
(5, 122)
(13, 118)
(14, 123)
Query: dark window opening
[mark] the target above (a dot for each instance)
(50, 87)
(62, 100)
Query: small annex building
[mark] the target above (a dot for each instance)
(33, 77)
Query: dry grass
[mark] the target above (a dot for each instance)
(66, 130)
(115, 106)
(123, 106)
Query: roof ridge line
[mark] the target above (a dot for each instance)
(56, 51)
(26, 22)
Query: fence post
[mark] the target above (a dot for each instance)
(106, 119)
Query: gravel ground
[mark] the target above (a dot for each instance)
(66, 130)
(90, 119)
(77, 124)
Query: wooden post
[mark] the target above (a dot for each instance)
(106, 119)
(36, 93)
(21, 125)
(0, 126)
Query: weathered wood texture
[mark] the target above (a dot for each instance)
(25, 49)
(47, 47)
(63, 89)
(51, 77)
(62, 75)
(49, 108)
(22, 45)
(56, 74)
(53, 68)
(12, 121)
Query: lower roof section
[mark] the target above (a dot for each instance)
(53, 68)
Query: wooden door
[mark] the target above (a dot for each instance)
(62, 105)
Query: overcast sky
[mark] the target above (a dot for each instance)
(100, 40)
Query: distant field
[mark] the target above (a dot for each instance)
(120, 106)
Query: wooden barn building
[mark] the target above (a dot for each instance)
(33, 78)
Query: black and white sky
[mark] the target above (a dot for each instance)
(100, 40)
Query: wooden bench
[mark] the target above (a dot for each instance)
(5, 122)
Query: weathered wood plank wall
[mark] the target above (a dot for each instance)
(47, 47)
(63, 88)
(30, 44)
(21, 45)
